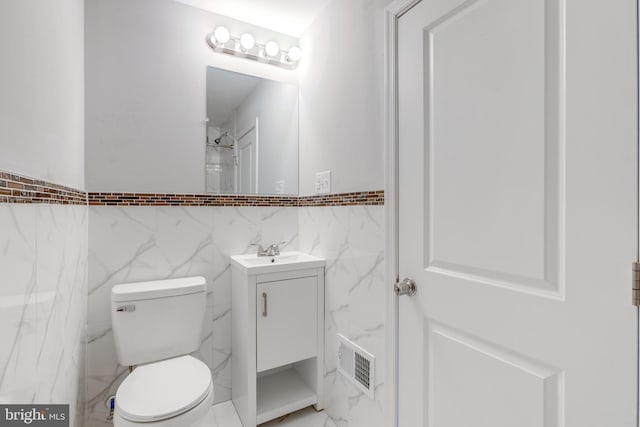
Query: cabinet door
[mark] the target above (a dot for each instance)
(287, 316)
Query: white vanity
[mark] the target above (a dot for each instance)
(277, 335)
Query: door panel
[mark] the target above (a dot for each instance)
(486, 116)
(472, 380)
(517, 213)
(247, 162)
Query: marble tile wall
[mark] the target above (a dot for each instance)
(141, 243)
(137, 243)
(43, 260)
(351, 239)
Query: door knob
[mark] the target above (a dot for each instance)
(406, 287)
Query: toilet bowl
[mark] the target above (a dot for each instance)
(156, 326)
(176, 392)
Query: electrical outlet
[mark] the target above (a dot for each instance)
(323, 182)
(279, 187)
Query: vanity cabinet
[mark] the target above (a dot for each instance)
(277, 338)
(287, 322)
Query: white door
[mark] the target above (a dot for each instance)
(247, 162)
(517, 213)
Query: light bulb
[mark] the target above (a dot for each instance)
(271, 48)
(247, 41)
(222, 35)
(294, 54)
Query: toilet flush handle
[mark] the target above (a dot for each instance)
(127, 308)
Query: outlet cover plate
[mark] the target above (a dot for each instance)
(323, 182)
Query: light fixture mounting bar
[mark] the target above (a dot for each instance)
(258, 53)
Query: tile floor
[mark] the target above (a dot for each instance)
(224, 415)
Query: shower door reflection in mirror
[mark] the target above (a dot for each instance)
(252, 135)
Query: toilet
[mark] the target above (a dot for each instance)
(156, 325)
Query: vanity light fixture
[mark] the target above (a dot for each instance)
(221, 36)
(222, 41)
(272, 49)
(294, 54)
(247, 41)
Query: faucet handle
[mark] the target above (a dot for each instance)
(276, 247)
(261, 250)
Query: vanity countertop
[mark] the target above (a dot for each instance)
(286, 261)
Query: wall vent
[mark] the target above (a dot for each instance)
(357, 364)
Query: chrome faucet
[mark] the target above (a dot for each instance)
(271, 250)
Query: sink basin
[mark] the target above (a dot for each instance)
(286, 261)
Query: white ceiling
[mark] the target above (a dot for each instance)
(291, 17)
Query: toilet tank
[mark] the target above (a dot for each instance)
(157, 320)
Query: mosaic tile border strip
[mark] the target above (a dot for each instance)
(16, 188)
(160, 199)
(344, 199)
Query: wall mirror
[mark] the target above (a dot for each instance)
(252, 135)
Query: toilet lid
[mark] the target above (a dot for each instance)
(164, 389)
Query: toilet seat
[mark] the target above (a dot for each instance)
(161, 390)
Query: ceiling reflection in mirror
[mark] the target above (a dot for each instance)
(252, 135)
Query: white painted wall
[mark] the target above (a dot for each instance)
(276, 106)
(42, 89)
(146, 92)
(341, 97)
(285, 16)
